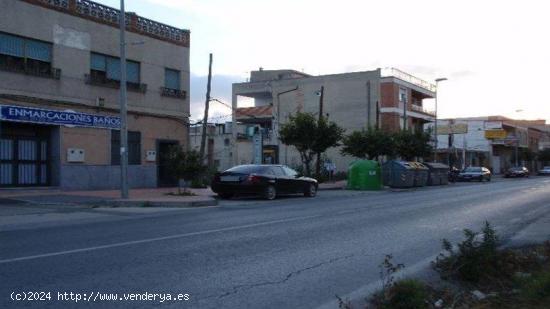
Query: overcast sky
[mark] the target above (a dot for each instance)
(495, 53)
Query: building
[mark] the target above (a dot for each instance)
(490, 141)
(59, 95)
(218, 143)
(378, 98)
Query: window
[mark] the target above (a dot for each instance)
(172, 79)
(172, 85)
(106, 70)
(134, 148)
(290, 172)
(278, 171)
(27, 56)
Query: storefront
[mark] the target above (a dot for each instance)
(30, 143)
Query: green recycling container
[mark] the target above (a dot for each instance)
(364, 175)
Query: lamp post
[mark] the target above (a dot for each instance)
(437, 81)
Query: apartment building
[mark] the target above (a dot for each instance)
(386, 98)
(59, 95)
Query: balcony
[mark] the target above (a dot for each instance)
(38, 71)
(421, 109)
(393, 72)
(173, 93)
(101, 81)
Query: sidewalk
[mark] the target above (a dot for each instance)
(156, 197)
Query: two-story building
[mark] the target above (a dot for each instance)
(388, 99)
(59, 95)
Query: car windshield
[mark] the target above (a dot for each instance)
(472, 169)
(248, 169)
(516, 169)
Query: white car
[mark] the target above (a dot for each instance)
(545, 171)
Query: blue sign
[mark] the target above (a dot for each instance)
(55, 117)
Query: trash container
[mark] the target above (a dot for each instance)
(364, 175)
(439, 174)
(421, 173)
(398, 174)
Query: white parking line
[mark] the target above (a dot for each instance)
(148, 240)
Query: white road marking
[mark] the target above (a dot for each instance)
(148, 240)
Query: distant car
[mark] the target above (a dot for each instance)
(517, 172)
(268, 181)
(475, 173)
(545, 171)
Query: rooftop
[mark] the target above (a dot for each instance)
(109, 16)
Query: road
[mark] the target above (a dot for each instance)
(290, 253)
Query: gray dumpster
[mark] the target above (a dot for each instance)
(421, 173)
(439, 174)
(398, 174)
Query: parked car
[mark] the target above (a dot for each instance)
(545, 171)
(517, 172)
(266, 180)
(475, 173)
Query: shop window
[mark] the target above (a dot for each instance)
(134, 148)
(28, 56)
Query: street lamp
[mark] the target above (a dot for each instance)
(437, 81)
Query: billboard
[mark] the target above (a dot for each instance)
(455, 128)
(496, 134)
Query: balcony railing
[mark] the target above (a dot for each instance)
(421, 109)
(387, 72)
(52, 73)
(105, 14)
(112, 83)
(174, 93)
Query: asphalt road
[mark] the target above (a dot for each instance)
(290, 253)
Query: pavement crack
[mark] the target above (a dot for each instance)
(243, 287)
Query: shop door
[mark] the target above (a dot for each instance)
(24, 162)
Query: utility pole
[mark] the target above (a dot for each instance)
(318, 166)
(436, 140)
(123, 108)
(206, 106)
(405, 113)
(368, 105)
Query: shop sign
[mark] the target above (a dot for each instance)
(56, 117)
(495, 134)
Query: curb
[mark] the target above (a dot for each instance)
(153, 204)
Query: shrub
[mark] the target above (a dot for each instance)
(475, 259)
(407, 294)
(536, 288)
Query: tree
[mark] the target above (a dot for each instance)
(370, 143)
(409, 145)
(185, 164)
(310, 136)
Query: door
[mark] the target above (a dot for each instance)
(165, 177)
(24, 162)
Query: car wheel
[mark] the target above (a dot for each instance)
(310, 191)
(225, 196)
(489, 179)
(270, 192)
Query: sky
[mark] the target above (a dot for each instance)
(495, 54)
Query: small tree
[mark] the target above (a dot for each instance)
(185, 164)
(409, 145)
(370, 143)
(310, 136)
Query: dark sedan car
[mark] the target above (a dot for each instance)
(475, 173)
(266, 180)
(517, 172)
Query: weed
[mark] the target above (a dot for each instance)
(409, 294)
